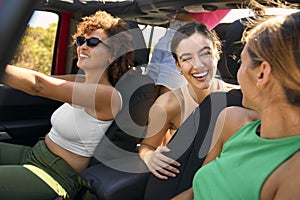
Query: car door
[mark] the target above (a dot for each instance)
(25, 118)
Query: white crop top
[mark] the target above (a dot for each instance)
(75, 130)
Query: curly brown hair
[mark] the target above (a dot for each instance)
(120, 41)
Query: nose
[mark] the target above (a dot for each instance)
(238, 74)
(197, 62)
(83, 46)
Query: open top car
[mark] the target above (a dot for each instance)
(38, 35)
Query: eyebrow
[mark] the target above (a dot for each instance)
(202, 49)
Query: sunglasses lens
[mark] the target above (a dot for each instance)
(80, 41)
(92, 42)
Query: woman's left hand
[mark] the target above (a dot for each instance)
(160, 165)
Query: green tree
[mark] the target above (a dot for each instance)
(35, 50)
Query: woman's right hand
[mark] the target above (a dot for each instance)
(160, 165)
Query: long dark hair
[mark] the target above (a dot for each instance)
(189, 29)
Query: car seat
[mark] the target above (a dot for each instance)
(116, 160)
(230, 35)
(141, 51)
(233, 46)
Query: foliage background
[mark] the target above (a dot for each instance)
(35, 50)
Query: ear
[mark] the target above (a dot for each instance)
(263, 74)
(217, 55)
(178, 67)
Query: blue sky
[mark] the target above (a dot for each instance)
(42, 19)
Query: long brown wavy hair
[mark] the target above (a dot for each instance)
(276, 41)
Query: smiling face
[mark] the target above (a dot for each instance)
(93, 58)
(197, 60)
(117, 58)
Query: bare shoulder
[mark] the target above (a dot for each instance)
(289, 179)
(170, 101)
(229, 121)
(232, 118)
(240, 115)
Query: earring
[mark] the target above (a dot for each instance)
(181, 73)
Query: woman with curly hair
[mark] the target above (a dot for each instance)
(51, 167)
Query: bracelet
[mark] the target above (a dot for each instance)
(148, 145)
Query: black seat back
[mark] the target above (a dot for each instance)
(230, 35)
(190, 145)
(129, 126)
(116, 159)
(141, 51)
(233, 46)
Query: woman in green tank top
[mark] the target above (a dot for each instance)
(256, 155)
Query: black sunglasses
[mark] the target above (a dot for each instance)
(91, 42)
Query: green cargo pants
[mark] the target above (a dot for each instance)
(17, 182)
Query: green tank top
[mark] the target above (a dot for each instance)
(245, 162)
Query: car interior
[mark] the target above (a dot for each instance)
(116, 171)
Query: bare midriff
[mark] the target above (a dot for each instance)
(77, 162)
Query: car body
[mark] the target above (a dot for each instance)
(25, 118)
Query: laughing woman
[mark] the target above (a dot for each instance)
(260, 159)
(196, 51)
(51, 167)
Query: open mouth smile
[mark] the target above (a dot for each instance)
(200, 75)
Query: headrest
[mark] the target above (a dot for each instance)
(230, 34)
(141, 52)
(233, 46)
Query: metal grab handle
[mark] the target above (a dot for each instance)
(4, 136)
